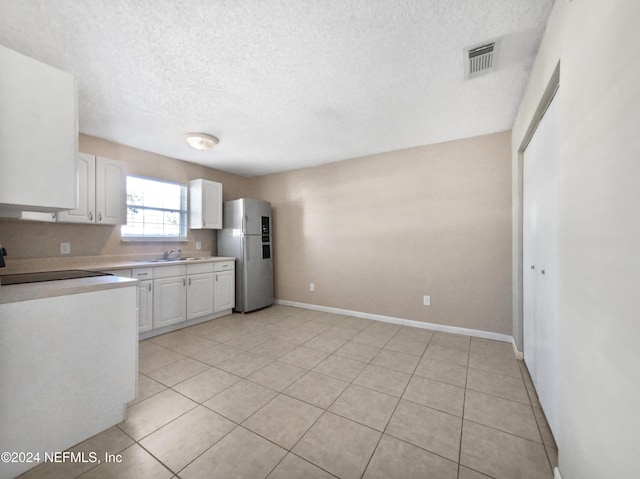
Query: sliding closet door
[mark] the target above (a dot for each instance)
(540, 307)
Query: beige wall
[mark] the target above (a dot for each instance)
(375, 234)
(29, 239)
(598, 230)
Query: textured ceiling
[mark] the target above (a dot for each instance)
(284, 84)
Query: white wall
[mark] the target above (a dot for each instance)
(596, 44)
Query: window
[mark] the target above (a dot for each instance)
(156, 209)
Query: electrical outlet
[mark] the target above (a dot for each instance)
(198, 245)
(65, 248)
(426, 300)
(312, 287)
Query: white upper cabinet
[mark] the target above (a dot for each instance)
(85, 190)
(38, 136)
(101, 192)
(205, 204)
(111, 192)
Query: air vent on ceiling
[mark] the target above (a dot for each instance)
(479, 59)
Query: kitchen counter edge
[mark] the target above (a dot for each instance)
(15, 293)
(154, 264)
(91, 263)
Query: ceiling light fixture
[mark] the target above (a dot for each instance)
(201, 141)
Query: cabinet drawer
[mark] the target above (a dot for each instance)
(223, 265)
(169, 271)
(142, 273)
(200, 268)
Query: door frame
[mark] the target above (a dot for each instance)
(517, 260)
(540, 318)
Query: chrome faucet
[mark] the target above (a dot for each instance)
(168, 253)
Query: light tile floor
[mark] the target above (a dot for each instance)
(291, 393)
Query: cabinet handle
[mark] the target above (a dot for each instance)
(149, 287)
(100, 216)
(184, 282)
(189, 281)
(90, 215)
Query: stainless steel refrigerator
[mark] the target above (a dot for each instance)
(246, 236)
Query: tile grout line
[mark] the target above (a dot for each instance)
(464, 401)
(282, 392)
(394, 409)
(290, 319)
(201, 404)
(535, 418)
(324, 410)
(396, 406)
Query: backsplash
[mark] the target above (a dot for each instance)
(32, 239)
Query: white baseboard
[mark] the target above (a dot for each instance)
(519, 354)
(405, 322)
(556, 473)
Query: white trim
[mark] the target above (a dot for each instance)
(556, 473)
(519, 354)
(405, 322)
(185, 324)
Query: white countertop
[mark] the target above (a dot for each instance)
(108, 266)
(14, 293)
(24, 292)
(94, 263)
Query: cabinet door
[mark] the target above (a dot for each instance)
(169, 301)
(145, 306)
(224, 290)
(199, 295)
(111, 192)
(85, 192)
(205, 208)
(39, 135)
(212, 205)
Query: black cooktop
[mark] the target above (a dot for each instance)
(48, 276)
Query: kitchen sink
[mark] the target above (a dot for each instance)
(172, 260)
(168, 260)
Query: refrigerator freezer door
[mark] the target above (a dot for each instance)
(246, 236)
(247, 216)
(255, 212)
(257, 275)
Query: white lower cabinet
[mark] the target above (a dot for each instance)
(200, 295)
(224, 290)
(145, 306)
(183, 293)
(145, 297)
(169, 301)
(79, 350)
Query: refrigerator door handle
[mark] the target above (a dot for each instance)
(244, 223)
